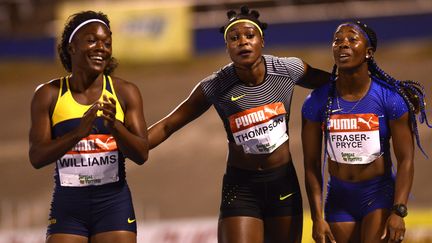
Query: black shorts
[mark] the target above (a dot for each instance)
(90, 210)
(261, 194)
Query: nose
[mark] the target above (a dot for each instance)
(344, 43)
(100, 45)
(243, 40)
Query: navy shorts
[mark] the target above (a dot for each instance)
(351, 201)
(87, 211)
(261, 194)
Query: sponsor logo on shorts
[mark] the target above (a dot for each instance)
(130, 221)
(52, 221)
(281, 198)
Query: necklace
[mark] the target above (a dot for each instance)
(341, 109)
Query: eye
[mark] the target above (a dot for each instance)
(108, 44)
(234, 37)
(353, 39)
(250, 36)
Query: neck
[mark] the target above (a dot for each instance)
(81, 81)
(353, 85)
(251, 75)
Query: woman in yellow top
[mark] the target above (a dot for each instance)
(87, 123)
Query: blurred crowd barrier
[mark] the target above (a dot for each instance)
(204, 230)
(175, 30)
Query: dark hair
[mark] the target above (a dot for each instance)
(370, 34)
(72, 22)
(411, 91)
(244, 13)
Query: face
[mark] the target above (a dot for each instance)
(244, 44)
(350, 47)
(91, 48)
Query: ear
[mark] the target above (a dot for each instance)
(71, 48)
(369, 53)
(262, 42)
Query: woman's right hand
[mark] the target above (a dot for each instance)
(86, 124)
(321, 230)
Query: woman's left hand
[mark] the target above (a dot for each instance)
(108, 108)
(395, 228)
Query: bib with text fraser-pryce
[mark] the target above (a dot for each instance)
(354, 138)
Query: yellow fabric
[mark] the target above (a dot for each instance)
(68, 108)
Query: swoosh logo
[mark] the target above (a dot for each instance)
(130, 221)
(281, 198)
(237, 97)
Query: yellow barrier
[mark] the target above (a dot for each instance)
(142, 31)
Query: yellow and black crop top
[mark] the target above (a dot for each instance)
(68, 108)
(95, 160)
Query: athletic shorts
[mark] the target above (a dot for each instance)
(87, 211)
(261, 194)
(351, 201)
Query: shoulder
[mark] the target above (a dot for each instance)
(291, 67)
(320, 93)
(50, 86)
(48, 89)
(391, 100)
(46, 94)
(123, 87)
(383, 90)
(314, 104)
(222, 77)
(284, 62)
(127, 92)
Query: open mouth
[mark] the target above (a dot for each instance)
(97, 59)
(244, 52)
(344, 56)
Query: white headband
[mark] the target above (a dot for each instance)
(84, 23)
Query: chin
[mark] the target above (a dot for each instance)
(246, 61)
(344, 66)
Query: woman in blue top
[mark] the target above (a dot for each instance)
(357, 114)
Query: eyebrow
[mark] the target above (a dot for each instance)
(352, 30)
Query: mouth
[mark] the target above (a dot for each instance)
(97, 59)
(244, 53)
(343, 56)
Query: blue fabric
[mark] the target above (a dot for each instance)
(91, 210)
(351, 201)
(381, 100)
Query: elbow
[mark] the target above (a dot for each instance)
(142, 157)
(37, 160)
(36, 163)
(142, 160)
(35, 157)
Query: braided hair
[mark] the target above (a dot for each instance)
(412, 92)
(71, 24)
(244, 14)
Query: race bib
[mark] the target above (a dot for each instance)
(92, 161)
(354, 138)
(260, 130)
